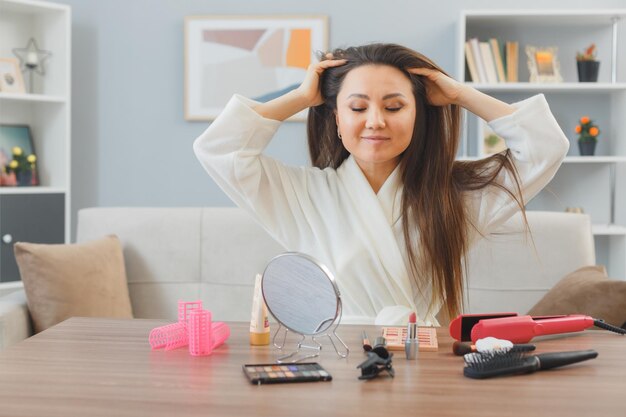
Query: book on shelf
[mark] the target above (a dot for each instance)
(491, 62)
(488, 62)
(497, 57)
(511, 59)
(471, 64)
(480, 68)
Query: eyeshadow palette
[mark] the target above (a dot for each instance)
(396, 337)
(272, 373)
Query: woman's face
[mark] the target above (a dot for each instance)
(376, 115)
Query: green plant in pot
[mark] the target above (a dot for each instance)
(587, 64)
(587, 136)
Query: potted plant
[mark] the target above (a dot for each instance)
(587, 64)
(587, 136)
(22, 166)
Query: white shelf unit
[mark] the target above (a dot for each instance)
(35, 98)
(566, 87)
(47, 110)
(572, 159)
(595, 183)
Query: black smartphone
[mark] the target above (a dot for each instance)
(271, 373)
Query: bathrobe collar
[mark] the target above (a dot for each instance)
(379, 213)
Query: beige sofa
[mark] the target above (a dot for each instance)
(213, 254)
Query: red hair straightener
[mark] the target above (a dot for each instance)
(521, 329)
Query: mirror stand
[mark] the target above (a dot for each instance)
(301, 294)
(292, 357)
(301, 347)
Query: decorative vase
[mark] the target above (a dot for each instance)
(24, 178)
(587, 148)
(588, 71)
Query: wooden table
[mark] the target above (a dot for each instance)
(104, 367)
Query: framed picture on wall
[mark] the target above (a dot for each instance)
(488, 142)
(11, 80)
(18, 165)
(543, 64)
(259, 57)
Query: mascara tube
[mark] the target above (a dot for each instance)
(380, 347)
(366, 343)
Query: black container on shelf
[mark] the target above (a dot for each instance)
(587, 148)
(588, 71)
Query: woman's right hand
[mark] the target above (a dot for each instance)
(310, 87)
(307, 95)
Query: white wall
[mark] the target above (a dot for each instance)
(131, 144)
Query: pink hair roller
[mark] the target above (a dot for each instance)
(175, 335)
(185, 307)
(194, 328)
(204, 335)
(169, 337)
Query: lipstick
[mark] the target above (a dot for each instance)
(411, 344)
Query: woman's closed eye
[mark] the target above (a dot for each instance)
(362, 109)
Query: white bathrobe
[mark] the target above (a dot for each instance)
(335, 216)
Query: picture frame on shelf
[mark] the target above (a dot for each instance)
(11, 80)
(260, 57)
(488, 142)
(11, 136)
(543, 64)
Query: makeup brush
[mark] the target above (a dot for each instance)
(463, 348)
(488, 365)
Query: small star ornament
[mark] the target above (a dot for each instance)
(32, 59)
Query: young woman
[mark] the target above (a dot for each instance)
(385, 206)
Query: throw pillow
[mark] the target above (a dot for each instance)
(61, 281)
(587, 291)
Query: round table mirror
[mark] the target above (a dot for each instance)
(301, 293)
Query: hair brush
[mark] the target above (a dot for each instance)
(488, 365)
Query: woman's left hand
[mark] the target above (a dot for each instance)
(441, 89)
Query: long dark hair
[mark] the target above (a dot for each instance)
(434, 182)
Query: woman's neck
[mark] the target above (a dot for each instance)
(377, 173)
